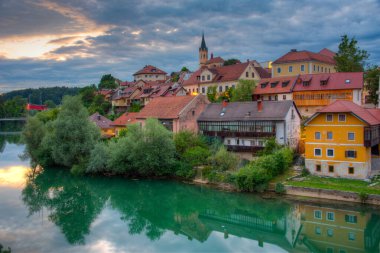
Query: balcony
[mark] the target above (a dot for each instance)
(239, 134)
(237, 148)
(371, 136)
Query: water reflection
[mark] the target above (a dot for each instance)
(155, 207)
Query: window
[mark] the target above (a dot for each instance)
(203, 90)
(156, 76)
(253, 75)
(330, 232)
(329, 135)
(283, 97)
(330, 152)
(317, 135)
(302, 67)
(252, 143)
(203, 78)
(246, 74)
(314, 67)
(278, 70)
(226, 88)
(350, 154)
(331, 168)
(318, 68)
(270, 98)
(318, 168)
(228, 142)
(220, 88)
(242, 142)
(318, 231)
(233, 86)
(351, 136)
(351, 218)
(290, 68)
(342, 117)
(330, 216)
(318, 214)
(351, 236)
(276, 97)
(237, 142)
(193, 112)
(317, 152)
(329, 117)
(208, 77)
(351, 170)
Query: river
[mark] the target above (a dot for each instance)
(48, 210)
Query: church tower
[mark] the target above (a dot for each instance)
(203, 52)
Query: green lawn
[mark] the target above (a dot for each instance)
(341, 184)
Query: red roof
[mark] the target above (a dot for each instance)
(327, 52)
(298, 56)
(335, 81)
(165, 107)
(125, 119)
(371, 116)
(275, 85)
(215, 60)
(149, 69)
(100, 121)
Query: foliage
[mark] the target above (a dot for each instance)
(196, 155)
(48, 115)
(270, 146)
(184, 170)
(50, 104)
(14, 107)
(243, 91)
(100, 105)
(350, 58)
(305, 172)
(212, 94)
(184, 69)
(371, 78)
(98, 158)
(363, 196)
(280, 188)
(107, 82)
(87, 95)
(223, 160)
(33, 134)
(231, 61)
(185, 140)
(123, 132)
(135, 107)
(174, 77)
(2, 250)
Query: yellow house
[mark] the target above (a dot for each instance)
(104, 125)
(342, 140)
(304, 62)
(123, 121)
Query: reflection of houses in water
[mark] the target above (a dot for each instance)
(335, 230)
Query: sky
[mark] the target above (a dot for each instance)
(74, 42)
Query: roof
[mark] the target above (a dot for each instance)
(370, 116)
(165, 107)
(203, 43)
(215, 60)
(124, 93)
(224, 73)
(275, 85)
(105, 92)
(125, 118)
(327, 52)
(299, 56)
(334, 81)
(149, 69)
(247, 111)
(100, 121)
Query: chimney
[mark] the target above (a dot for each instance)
(224, 104)
(212, 55)
(293, 50)
(259, 105)
(98, 116)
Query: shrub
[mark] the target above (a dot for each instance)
(98, 158)
(223, 160)
(196, 156)
(363, 196)
(184, 170)
(280, 188)
(305, 172)
(185, 140)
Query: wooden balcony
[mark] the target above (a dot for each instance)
(239, 134)
(371, 136)
(236, 148)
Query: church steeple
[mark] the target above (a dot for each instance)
(203, 52)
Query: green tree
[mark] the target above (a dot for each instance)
(243, 91)
(74, 135)
(350, 58)
(185, 139)
(107, 82)
(50, 104)
(98, 158)
(185, 69)
(212, 95)
(87, 94)
(371, 78)
(223, 160)
(231, 61)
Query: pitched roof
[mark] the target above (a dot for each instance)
(125, 118)
(203, 43)
(298, 56)
(165, 107)
(370, 116)
(275, 85)
(100, 121)
(327, 52)
(105, 92)
(215, 60)
(334, 81)
(124, 93)
(149, 69)
(246, 111)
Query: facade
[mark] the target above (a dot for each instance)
(176, 113)
(342, 140)
(244, 126)
(104, 124)
(123, 97)
(276, 88)
(304, 62)
(123, 121)
(150, 73)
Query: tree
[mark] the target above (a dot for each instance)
(243, 91)
(50, 104)
(371, 78)
(73, 135)
(185, 69)
(212, 95)
(185, 140)
(231, 61)
(350, 58)
(107, 82)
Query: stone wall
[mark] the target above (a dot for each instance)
(331, 194)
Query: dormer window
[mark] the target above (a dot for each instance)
(285, 83)
(324, 81)
(306, 83)
(272, 85)
(203, 78)
(348, 81)
(153, 70)
(263, 85)
(208, 77)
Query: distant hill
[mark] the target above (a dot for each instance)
(40, 95)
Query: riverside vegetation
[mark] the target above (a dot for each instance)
(64, 137)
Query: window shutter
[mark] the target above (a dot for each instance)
(346, 154)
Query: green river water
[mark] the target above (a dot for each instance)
(49, 210)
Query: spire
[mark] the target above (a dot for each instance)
(203, 44)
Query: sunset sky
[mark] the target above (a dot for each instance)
(73, 42)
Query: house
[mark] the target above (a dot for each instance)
(150, 73)
(245, 126)
(104, 124)
(342, 140)
(125, 119)
(304, 62)
(176, 113)
(311, 92)
(106, 93)
(124, 96)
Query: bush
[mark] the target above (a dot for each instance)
(305, 172)
(98, 158)
(184, 170)
(185, 140)
(223, 160)
(363, 196)
(196, 156)
(280, 188)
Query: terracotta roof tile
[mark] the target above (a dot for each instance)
(100, 121)
(215, 60)
(297, 56)
(275, 85)
(149, 69)
(125, 118)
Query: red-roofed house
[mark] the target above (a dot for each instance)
(104, 124)
(176, 113)
(342, 140)
(123, 121)
(304, 62)
(276, 88)
(150, 73)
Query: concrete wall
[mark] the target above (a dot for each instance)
(361, 169)
(189, 115)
